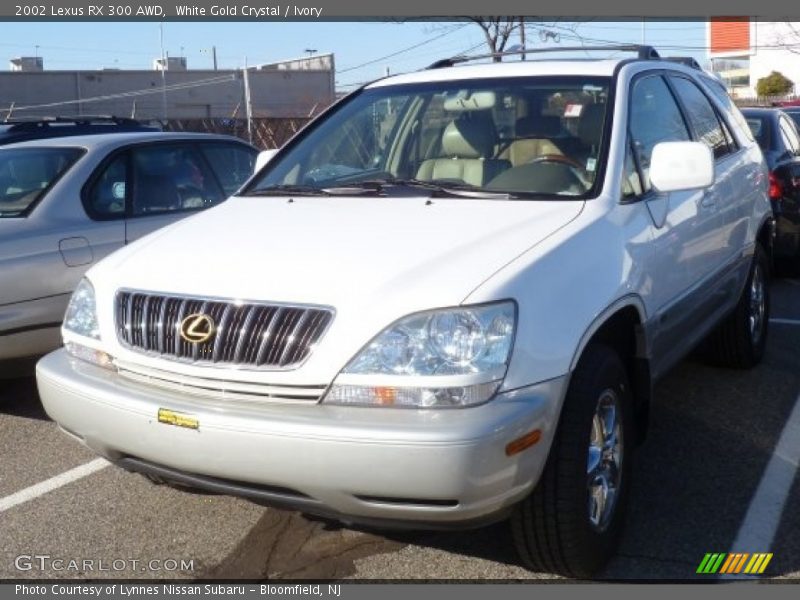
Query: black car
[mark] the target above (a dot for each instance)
(779, 139)
(23, 130)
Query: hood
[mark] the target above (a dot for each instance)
(336, 251)
(373, 260)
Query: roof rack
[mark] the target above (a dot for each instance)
(643, 52)
(684, 60)
(79, 120)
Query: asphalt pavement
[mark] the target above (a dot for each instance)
(700, 483)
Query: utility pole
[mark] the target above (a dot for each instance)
(214, 56)
(163, 73)
(522, 36)
(248, 105)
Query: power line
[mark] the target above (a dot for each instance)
(133, 93)
(376, 60)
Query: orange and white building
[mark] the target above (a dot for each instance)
(743, 50)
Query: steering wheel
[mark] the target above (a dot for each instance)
(556, 158)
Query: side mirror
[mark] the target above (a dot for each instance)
(263, 158)
(676, 166)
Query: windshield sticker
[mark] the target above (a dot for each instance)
(573, 110)
(591, 164)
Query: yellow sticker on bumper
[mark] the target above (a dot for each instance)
(170, 417)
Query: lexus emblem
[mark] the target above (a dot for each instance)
(197, 328)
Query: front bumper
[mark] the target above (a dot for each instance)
(426, 468)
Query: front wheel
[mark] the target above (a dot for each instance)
(572, 521)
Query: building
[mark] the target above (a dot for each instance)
(296, 89)
(743, 50)
(26, 63)
(170, 63)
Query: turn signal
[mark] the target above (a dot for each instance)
(526, 441)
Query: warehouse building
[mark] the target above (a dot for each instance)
(293, 88)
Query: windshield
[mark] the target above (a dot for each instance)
(26, 173)
(526, 136)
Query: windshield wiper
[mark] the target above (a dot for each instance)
(283, 189)
(454, 190)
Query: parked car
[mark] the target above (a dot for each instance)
(443, 303)
(37, 128)
(67, 202)
(778, 137)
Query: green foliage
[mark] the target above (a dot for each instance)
(774, 84)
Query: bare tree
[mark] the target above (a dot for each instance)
(785, 35)
(498, 31)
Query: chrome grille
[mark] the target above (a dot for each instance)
(219, 389)
(247, 334)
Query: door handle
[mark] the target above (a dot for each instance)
(709, 200)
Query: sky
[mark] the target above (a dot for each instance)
(363, 50)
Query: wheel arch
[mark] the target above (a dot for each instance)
(621, 327)
(766, 237)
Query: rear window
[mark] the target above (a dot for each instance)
(27, 173)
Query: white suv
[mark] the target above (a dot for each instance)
(443, 303)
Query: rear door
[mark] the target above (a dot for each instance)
(167, 182)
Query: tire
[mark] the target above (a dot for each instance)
(553, 528)
(740, 340)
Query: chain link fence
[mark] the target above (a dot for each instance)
(268, 132)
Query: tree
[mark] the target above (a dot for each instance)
(498, 31)
(774, 84)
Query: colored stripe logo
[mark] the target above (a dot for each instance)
(734, 563)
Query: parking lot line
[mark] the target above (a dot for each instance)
(785, 321)
(48, 485)
(757, 531)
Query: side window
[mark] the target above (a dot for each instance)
(168, 178)
(789, 134)
(106, 198)
(654, 117)
(702, 116)
(631, 182)
(722, 95)
(231, 163)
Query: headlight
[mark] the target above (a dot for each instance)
(81, 319)
(453, 357)
(81, 316)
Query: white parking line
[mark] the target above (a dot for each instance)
(785, 321)
(757, 532)
(48, 485)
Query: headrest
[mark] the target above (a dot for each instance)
(590, 127)
(538, 127)
(468, 138)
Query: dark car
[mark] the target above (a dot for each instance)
(24, 130)
(778, 137)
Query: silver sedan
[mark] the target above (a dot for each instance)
(66, 203)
